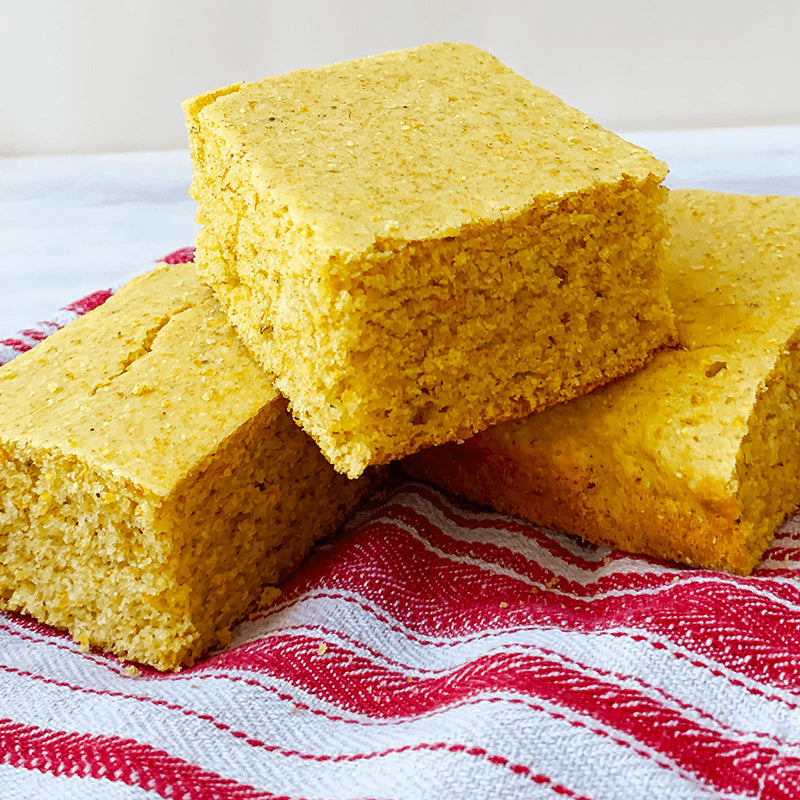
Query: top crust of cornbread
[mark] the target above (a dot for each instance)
(148, 401)
(733, 274)
(416, 143)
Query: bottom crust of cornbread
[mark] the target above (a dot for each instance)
(696, 458)
(153, 486)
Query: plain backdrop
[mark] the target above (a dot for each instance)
(104, 76)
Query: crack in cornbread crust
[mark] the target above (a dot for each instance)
(398, 306)
(152, 485)
(696, 457)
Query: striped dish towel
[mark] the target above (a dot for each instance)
(434, 650)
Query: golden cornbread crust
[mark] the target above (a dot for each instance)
(152, 484)
(422, 243)
(695, 458)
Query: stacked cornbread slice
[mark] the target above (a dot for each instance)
(153, 486)
(696, 457)
(420, 244)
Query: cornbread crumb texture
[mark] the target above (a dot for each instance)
(152, 484)
(421, 243)
(696, 457)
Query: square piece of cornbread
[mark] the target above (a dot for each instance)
(696, 458)
(152, 484)
(422, 243)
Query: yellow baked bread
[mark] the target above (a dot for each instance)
(152, 484)
(421, 243)
(696, 458)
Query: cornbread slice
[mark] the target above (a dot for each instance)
(697, 457)
(152, 484)
(421, 243)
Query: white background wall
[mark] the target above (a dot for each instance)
(106, 75)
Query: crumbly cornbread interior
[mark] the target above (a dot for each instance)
(696, 457)
(152, 484)
(421, 243)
